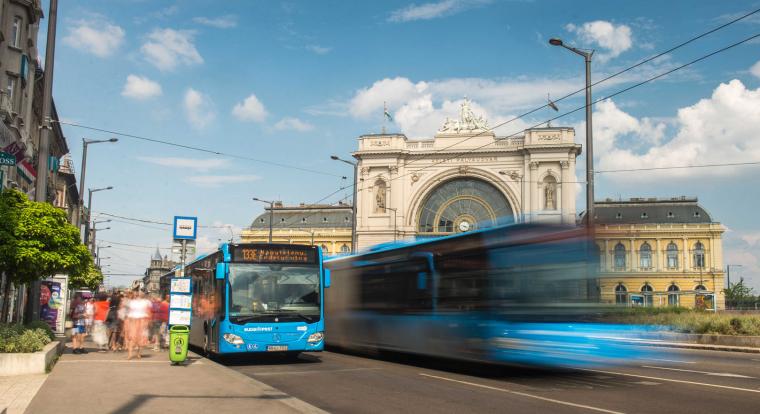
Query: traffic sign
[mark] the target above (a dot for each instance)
(7, 159)
(185, 228)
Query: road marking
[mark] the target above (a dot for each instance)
(670, 380)
(714, 374)
(314, 372)
(671, 360)
(523, 394)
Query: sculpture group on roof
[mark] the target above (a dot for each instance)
(467, 120)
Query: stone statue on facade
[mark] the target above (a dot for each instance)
(467, 120)
(380, 198)
(550, 197)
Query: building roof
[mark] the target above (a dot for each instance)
(157, 255)
(675, 210)
(306, 215)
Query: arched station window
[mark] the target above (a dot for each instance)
(672, 255)
(648, 294)
(699, 255)
(673, 296)
(621, 294)
(645, 256)
(619, 256)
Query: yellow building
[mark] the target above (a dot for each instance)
(659, 252)
(328, 226)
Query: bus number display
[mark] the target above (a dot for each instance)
(274, 255)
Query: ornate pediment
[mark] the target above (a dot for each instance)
(467, 121)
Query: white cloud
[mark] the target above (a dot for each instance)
(218, 180)
(251, 109)
(221, 22)
(320, 50)
(141, 88)
(95, 36)
(713, 130)
(198, 108)
(168, 48)
(294, 124)
(755, 69)
(197, 164)
(428, 11)
(615, 39)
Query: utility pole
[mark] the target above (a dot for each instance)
(40, 193)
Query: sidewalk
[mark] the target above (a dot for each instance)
(16, 392)
(108, 383)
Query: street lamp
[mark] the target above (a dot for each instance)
(728, 273)
(97, 253)
(353, 200)
(271, 215)
(394, 221)
(514, 175)
(94, 236)
(89, 213)
(85, 143)
(589, 134)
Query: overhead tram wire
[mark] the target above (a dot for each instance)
(192, 148)
(619, 92)
(680, 167)
(616, 74)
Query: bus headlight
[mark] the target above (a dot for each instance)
(315, 337)
(233, 339)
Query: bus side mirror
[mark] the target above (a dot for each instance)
(327, 277)
(221, 270)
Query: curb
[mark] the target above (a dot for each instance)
(287, 399)
(727, 348)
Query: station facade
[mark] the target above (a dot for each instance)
(659, 252)
(462, 179)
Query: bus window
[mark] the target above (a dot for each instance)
(396, 287)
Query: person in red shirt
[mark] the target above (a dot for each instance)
(160, 321)
(99, 329)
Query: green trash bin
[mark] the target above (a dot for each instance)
(178, 338)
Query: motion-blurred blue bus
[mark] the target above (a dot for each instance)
(257, 298)
(524, 293)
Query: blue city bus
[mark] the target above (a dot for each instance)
(250, 298)
(515, 294)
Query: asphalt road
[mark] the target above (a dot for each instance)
(670, 381)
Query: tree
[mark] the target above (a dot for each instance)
(36, 241)
(739, 294)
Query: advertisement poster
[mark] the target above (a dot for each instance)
(53, 292)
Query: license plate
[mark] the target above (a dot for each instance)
(274, 348)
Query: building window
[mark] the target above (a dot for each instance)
(16, 32)
(303, 220)
(670, 214)
(344, 249)
(619, 257)
(619, 215)
(10, 89)
(282, 220)
(600, 256)
(345, 219)
(700, 287)
(324, 249)
(621, 294)
(673, 295)
(644, 215)
(324, 219)
(699, 255)
(261, 220)
(696, 214)
(672, 255)
(646, 291)
(645, 256)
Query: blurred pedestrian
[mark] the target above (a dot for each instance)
(89, 310)
(78, 315)
(138, 320)
(114, 323)
(161, 317)
(99, 327)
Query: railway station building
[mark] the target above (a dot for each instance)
(328, 226)
(659, 252)
(463, 178)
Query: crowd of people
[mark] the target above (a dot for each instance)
(124, 321)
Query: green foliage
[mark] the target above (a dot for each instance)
(37, 241)
(89, 280)
(15, 338)
(41, 325)
(690, 321)
(738, 291)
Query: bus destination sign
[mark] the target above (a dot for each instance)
(274, 254)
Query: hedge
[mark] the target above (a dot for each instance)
(16, 338)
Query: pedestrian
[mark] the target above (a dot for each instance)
(89, 310)
(99, 326)
(163, 317)
(114, 323)
(138, 320)
(78, 315)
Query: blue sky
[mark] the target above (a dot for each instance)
(293, 82)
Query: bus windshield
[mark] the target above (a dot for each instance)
(274, 292)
